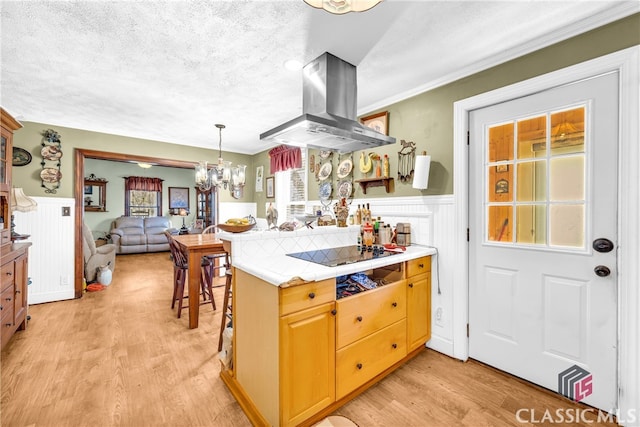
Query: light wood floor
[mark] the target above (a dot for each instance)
(120, 357)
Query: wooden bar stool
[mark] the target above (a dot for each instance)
(227, 316)
(180, 271)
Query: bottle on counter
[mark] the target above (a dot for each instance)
(358, 216)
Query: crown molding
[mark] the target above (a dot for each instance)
(614, 13)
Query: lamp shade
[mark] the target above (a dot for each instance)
(21, 202)
(421, 171)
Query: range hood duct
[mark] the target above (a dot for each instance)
(329, 103)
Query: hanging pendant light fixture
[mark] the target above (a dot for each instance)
(340, 7)
(221, 174)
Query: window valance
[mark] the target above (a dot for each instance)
(284, 157)
(142, 183)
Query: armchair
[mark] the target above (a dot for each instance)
(94, 256)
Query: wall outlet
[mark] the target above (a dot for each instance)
(439, 316)
(66, 211)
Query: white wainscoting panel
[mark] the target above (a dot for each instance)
(51, 258)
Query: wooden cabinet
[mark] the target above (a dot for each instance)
(307, 355)
(13, 304)
(300, 354)
(418, 285)
(14, 258)
(206, 206)
(8, 126)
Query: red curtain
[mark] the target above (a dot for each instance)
(284, 158)
(142, 183)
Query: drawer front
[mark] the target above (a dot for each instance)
(300, 297)
(370, 311)
(7, 273)
(418, 266)
(359, 362)
(7, 303)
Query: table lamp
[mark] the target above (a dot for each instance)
(22, 203)
(183, 213)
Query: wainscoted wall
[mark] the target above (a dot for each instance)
(432, 224)
(51, 258)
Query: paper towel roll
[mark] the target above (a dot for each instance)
(421, 172)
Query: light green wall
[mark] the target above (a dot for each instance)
(427, 118)
(115, 172)
(30, 138)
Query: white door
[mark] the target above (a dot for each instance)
(543, 188)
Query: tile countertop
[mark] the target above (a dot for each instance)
(281, 269)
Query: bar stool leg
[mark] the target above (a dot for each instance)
(226, 307)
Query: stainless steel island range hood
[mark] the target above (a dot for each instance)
(329, 103)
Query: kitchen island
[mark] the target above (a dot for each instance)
(298, 351)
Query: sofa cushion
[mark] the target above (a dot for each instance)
(130, 225)
(133, 239)
(154, 239)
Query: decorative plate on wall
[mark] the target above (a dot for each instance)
(325, 171)
(50, 175)
(21, 157)
(324, 191)
(51, 152)
(344, 168)
(344, 189)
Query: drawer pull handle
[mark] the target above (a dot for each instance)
(359, 318)
(394, 345)
(17, 291)
(8, 325)
(1, 307)
(411, 285)
(8, 299)
(421, 265)
(395, 304)
(312, 295)
(359, 366)
(9, 273)
(333, 311)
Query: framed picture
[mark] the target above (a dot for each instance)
(271, 191)
(88, 189)
(198, 223)
(178, 197)
(259, 173)
(378, 122)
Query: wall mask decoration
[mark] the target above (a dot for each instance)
(406, 160)
(51, 154)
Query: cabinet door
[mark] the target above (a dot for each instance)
(20, 300)
(418, 310)
(307, 363)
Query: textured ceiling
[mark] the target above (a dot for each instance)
(170, 70)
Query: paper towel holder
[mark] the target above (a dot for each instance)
(421, 172)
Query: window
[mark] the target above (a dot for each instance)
(291, 191)
(142, 196)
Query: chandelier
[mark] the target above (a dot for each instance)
(221, 174)
(339, 7)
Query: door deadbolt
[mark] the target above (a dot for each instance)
(602, 271)
(603, 245)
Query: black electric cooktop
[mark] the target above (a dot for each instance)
(341, 256)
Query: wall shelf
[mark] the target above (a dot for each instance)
(375, 182)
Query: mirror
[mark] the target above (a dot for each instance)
(95, 194)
